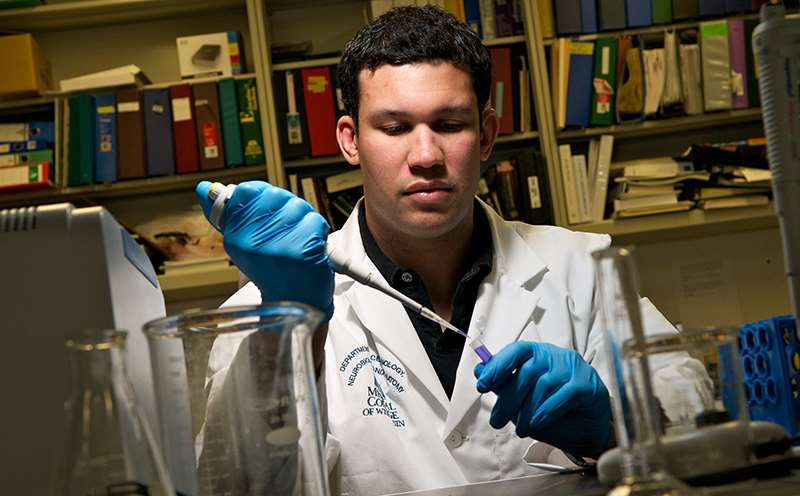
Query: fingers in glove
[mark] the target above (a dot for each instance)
(548, 385)
(501, 367)
(512, 396)
(201, 192)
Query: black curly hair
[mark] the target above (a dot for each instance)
(407, 35)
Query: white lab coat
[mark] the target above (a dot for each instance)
(391, 426)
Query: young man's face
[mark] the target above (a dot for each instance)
(420, 141)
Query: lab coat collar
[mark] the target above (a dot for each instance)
(506, 299)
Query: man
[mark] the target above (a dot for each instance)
(403, 404)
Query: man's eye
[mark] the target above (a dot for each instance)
(451, 126)
(393, 129)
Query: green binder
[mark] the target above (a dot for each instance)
(252, 141)
(662, 11)
(753, 96)
(81, 140)
(605, 82)
(229, 118)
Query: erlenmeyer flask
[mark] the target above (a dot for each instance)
(237, 400)
(637, 416)
(110, 448)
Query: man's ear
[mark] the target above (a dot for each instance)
(348, 140)
(490, 125)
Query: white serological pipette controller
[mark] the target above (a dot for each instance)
(220, 194)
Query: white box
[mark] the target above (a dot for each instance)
(215, 54)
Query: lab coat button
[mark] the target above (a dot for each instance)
(406, 277)
(454, 440)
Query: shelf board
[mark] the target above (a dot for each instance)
(684, 225)
(656, 28)
(133, 187)
(508, 138)
(667, 125)
(82, 14)
(39, 101)
(199, 283)
(506, 40)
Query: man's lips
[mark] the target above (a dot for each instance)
(427, 187)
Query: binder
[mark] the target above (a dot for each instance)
(158, 132)
(229, 117)
(81, 140)
(502, 89)
(568, 181)
(630, 80)
(534, 188)
(716, 65)
(22, 158)
(130, 135)
(105, 138)
(737, 47)
(250, 122)
(691, 80)
(22, 146)
(338, 101)
(503, 18)
(559, 74)
(734, 6)
(290, 110)
(568, 16)
(685, 9)
(209, 134)
(753, 97)
(184, 132)
(34, 130)
(579, 87)
(654, 79)
(599, 186)
(611, 14)
(662, 11)
(709, 8)
(318, 96)
(472, 14)
(639, 13)
(487, 19)
(588, 16)
(546, 18)
(604, 82)
(25, 177)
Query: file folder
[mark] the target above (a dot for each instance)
(229, 117)
(105, 138)
(184, 132)
(250, 122)
(737, 47)
(209, 134)
(579, 87)
(604, 82)
(611, 14)
(158, 132)
(290, 112)
(639, 13)
(502, 88)
(130, 135)
(318, 96)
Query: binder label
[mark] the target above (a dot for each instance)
(157, 108)
(294, 128)
(317, 84)
(210, 140)
(498, 99)
(128, 107)
(105, 109)
(533, 192)
(603, 90)
(181, 109)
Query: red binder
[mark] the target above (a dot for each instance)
(318, 97)
(209, 131)
(502, 90)
(184, 131)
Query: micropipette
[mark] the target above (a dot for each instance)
(220, 194)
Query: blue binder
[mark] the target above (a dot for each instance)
(588, 16)
(158, 132)
(7, 147)
(579, 85)
(42, 131)
(472, 13)
(640, 13)
(105, 138)
(712, 7)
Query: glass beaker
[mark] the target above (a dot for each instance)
(110, 448)
(637, 419)
(237, 399)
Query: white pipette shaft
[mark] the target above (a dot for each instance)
(344, 265)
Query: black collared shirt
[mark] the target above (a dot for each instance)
(443, 348)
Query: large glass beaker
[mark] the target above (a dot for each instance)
(237, 399)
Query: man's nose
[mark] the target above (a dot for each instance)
(425, 149)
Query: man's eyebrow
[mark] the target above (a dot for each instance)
(461, 110)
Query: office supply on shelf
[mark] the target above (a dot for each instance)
(318, 96)
(568, 182)
(126, 75)
(753, 98)
(716, 65)
(290, 110)
(22, 146)
(654, 79)
(26, 71)
(579, 86)
(24, 131)
(105, 147)
(685, 9)
(691, 79)
(503, 18)
(158, 132)
(588, 16)
(559, 77)
(250, 122)
(611, 14)
(81, 140)
(545, 8)
(488, 30)
(502, 90)
(600, 178)
(24, 177)
(709, 8)
(472, 14)
(184, 132)
(568, 16)
(209, 132)
(736, 6)
(214, 54)
(229, 117)
(21, 158)
(737, 45)
(630, 80)
(582, 186)
(672, 98)
(130, 135)
(661, 11)
(639, 13)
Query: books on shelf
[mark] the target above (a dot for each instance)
(734, 202)
(194, 266)
(24, 177)
(127, 75)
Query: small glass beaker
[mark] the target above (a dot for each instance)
(110, 448)
(237, 400)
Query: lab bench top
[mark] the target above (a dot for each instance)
(578, 484)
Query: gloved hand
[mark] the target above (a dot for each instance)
(278, 241)
(551, 394)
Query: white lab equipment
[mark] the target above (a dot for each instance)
(220, 194)
(257, 428)
(776, 44)
(64, 270)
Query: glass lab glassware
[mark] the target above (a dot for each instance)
(637, 419)
(110, 448)
(236, 395)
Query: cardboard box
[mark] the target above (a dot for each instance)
(215, 54)
(25, 70)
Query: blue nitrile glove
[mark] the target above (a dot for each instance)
(278, 241)
(551, 394)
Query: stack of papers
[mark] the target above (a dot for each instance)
(128, 75)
